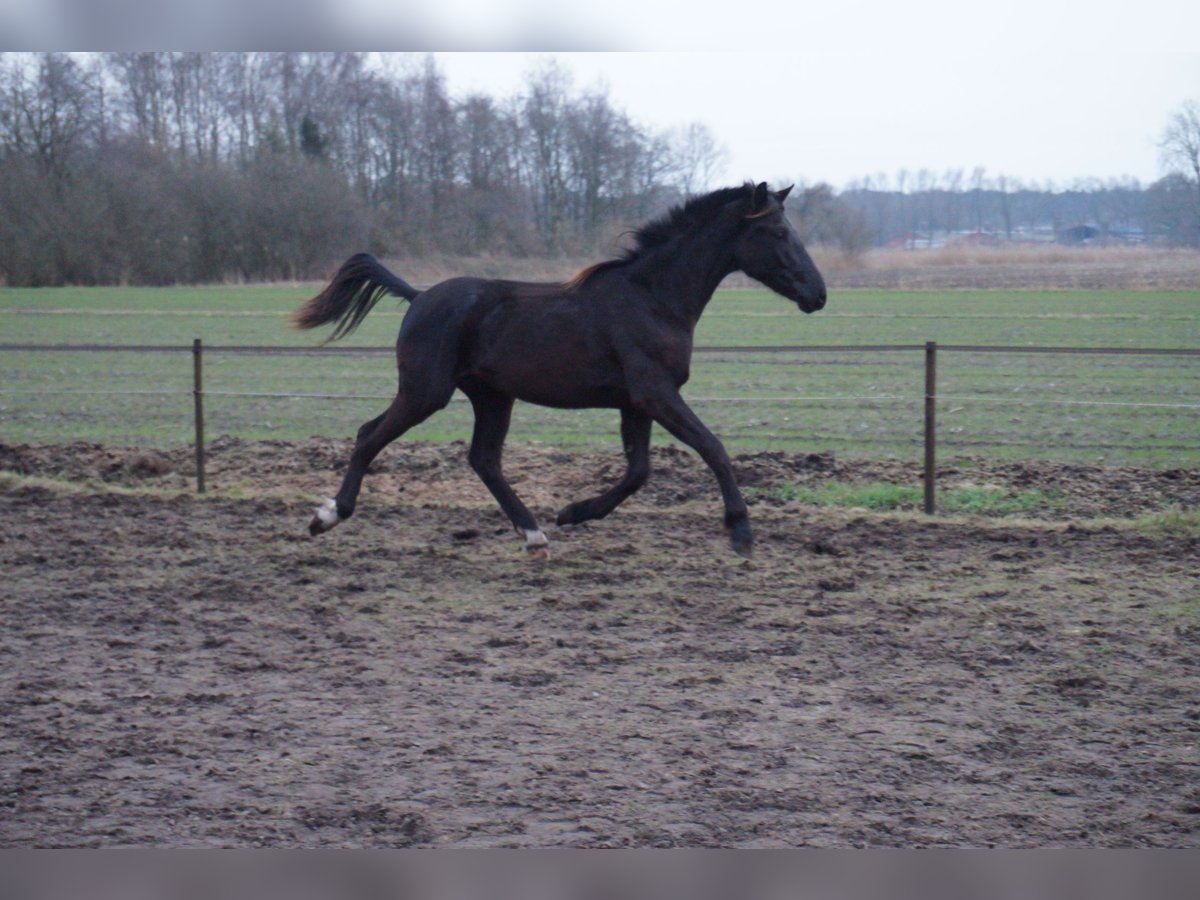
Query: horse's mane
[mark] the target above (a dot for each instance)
(658, 232)
(696, 211)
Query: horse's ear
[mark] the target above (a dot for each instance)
(759, 200)
(782, 195)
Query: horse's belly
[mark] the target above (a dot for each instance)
(566, 373)
(582, 398)
(560, 386)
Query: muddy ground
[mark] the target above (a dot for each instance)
(182, 671)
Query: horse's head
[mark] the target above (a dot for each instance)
(769, 250)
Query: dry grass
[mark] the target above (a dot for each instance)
(1051, 267)
(1031, 255)
(1023, 267)
(1019, 267)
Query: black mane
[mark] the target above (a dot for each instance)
(658, 232)
(695, 211)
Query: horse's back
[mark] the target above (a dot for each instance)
(467, 301)
(465, 291)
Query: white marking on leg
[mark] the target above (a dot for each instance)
(535, 538)
(328, 514)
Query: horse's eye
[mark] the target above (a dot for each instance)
(780, 233)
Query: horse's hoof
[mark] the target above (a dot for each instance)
(325, 519)
(570, 515)
(741, 539)
(536, 544)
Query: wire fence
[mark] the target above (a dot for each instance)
(1122, 403)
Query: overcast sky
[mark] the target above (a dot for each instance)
(814, 116)
(818, 90)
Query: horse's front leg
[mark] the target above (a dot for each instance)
(669, 409)
(493, 413)
(635, 435)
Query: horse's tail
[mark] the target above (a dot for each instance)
(359, 284)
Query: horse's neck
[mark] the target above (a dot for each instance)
(686, 281)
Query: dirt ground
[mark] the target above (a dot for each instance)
(186, 672)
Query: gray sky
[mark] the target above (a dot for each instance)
(819, 116)
(818, 90)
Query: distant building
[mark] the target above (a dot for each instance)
(1079, 235)
(975, 239)
(1126, 234)
(914, 241)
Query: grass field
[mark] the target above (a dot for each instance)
(1091, 409)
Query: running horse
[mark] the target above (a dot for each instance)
(617, 335)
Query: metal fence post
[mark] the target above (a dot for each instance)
(198, 400)
(930, 424)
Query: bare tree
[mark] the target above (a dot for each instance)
(698, 157)
(544, 120)
(822, 218)
(144, 83)
(1180, 142)
(1180, 146)
(436, 142)
(597, 144)
(51, 112)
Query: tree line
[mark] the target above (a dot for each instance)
(155, 167)
(179, 167)
(917, 207)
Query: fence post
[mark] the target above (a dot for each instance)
(930, 425)
(198, 400)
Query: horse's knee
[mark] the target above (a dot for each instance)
(636, 476)
(367, 427)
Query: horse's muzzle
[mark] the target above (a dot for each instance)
(810, 300)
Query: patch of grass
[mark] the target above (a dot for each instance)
(994, 501)
(13, 481)
(888, 496)
(1169, 523)
(1183, 610)
(877, 496)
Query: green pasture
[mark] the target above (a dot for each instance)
(1090, 409)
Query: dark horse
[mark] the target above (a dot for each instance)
(617, 335)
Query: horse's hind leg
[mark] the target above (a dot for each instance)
(635, 434)
(405, 412)
(493, 413)
(367, 427)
